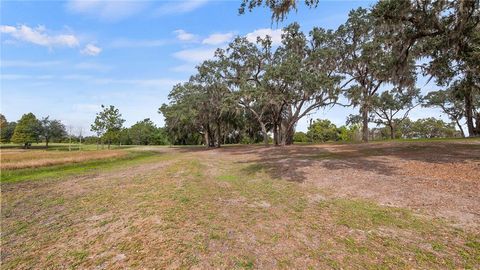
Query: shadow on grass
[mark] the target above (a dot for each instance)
(291, 162)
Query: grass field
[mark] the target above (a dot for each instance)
(377, 206)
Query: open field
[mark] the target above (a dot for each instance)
(21, 159)
(375, 206)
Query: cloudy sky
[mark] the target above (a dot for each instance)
(65, 59)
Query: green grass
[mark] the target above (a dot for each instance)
(59, 171)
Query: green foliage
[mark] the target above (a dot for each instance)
(451, 102)
(108, 124)
(427, 128)
(6, 129)
(52, 129)
(300, 137)
(253, 82)
(143, 133)
(3, 121)
(446, 33)
(392, 107)
(27, 130)
(279, 8)
(322, 131)
(381, 44)
(347, 133)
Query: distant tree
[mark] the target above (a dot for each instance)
(124, 137)
(108, 124)
(26, 130)
(392, 107)
(7, 132)
(301, 137)
(322, 131)
(90, 140)
(6, 129)
(51, 129)
(160, 137)
(432, 128)
(3, 121)
(143, 132)
(347, 133)
(451, 105)
(405, 129)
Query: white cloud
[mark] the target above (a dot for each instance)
(195, 55)
(176, 7)
(91, 49)
(39, 36)
(23, 63)
(183, 35)
(130, 43)
(7, 29)
(107, 10)
(275, 35)
(218, 38)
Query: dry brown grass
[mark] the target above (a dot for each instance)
(22, 159)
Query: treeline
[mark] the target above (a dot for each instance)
(322, 130)
(108, 127)
(372, 61)
(29, 129)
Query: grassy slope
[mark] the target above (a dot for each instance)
(217, 214)
(59, 171)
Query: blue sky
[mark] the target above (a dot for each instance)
(65, 59)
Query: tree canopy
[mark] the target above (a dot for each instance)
(27, 130)
(108, 124)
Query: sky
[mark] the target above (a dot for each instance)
(64, 59)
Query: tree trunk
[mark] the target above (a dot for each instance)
(365, 123)
(275, 134)
(46, 143)
(287, 134)
(207, 141)
(219, 135)
(469, 113)
(460, 127)
(265, 134)
(392, 132)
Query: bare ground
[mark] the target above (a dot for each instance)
(304, 207)
(439, 179)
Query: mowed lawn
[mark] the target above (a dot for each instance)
(376, 206)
